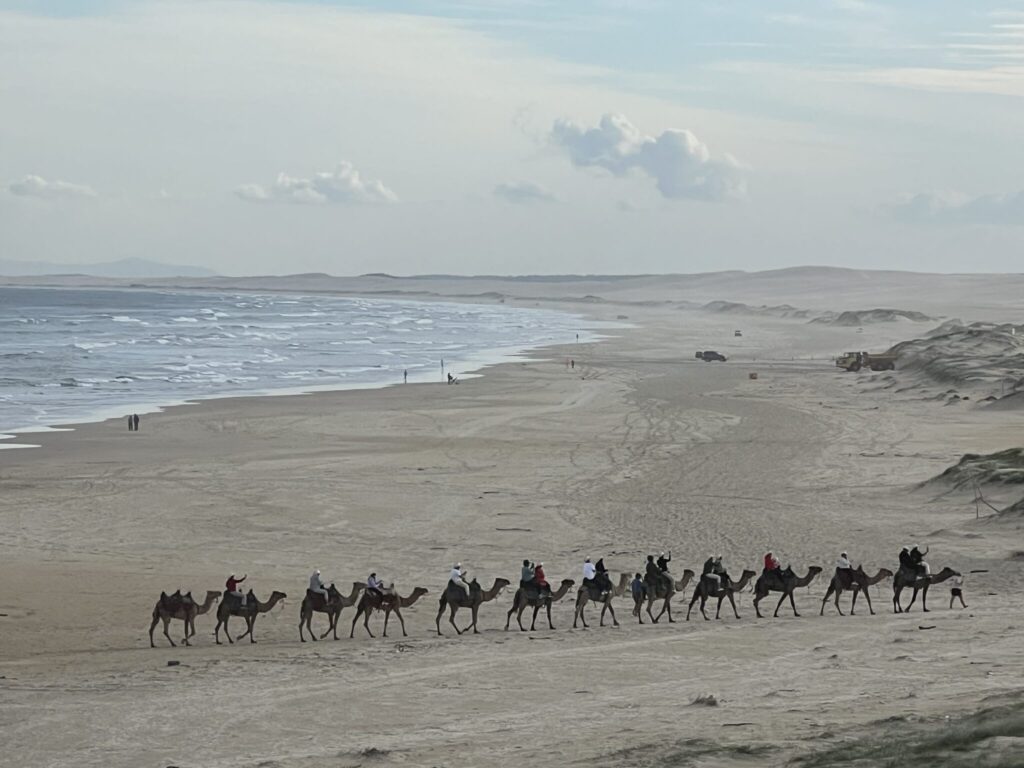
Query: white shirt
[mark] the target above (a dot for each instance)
(456, 575)
(957, 582)
(843, 562)
(589, 571)
(314, 582)
(373, 583)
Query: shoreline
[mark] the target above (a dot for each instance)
(476, 365)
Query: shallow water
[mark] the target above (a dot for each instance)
(69, 356)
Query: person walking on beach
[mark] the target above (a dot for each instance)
(405, 376)
(135, 421)
(956, 590)
(131, 428)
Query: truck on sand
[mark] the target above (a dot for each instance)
(855, 361)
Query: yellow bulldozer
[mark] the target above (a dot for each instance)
(855, 361)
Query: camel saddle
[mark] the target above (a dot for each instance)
(658, 587)
(849, 577)
(595, 591)
(533, 591)
(234, 602)
(780, 579)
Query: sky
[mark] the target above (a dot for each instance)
(514, 136)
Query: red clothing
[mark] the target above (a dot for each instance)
(231, 585)
(770, 563)
(538, 576)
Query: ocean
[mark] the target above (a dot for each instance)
(77, 355)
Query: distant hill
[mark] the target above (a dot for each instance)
(120, 268)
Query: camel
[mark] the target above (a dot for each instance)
(332, 606)
(389, 602)
(904, 580)
(455, 597)
(704, 590)
(532, 597)
(790, 582)
(592, 593)
(178, 606)
(660, 593)
(859, 583)
(231, 606)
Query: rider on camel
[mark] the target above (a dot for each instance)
(604, 581)
(541, 580)
(231, 588)
(772, 566)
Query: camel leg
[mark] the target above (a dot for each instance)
(913, 599)
(352, 631)
(615, 621)
(838, 592)
(663, 608)
(156, 620)
(387, 615)
(476, 609)
(650, 602)
(508, 618)
(896, 607)
(401, 621)
(184, 640)
(924, 598)
(757, 599)
(519, 617)
(732, 602)
(792, 604)
(366, 620)
(451, 620)
(779, 605)
(536, 610)
(226, 633)
(867, 596)
(167, 623)
(828, 594)
(548, 606)
(668, 609)
(440, 612)
(696, 596)
(579, 614)
(853, 603)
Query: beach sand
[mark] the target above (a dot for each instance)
(639, 448)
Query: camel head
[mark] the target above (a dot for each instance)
(944, 574)
(568, 583)
(419, 592)
(884, 573)
(814, 570)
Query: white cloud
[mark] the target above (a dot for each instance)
(1007, 210)
(676, 159)
(37, 186)
(523, 192)
(343, 185)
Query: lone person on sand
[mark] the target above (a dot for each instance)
(956, 590)
(135, 421)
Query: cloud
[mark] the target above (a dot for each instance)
(343, 185)
(523, 192)
(676, 159)
(37, 186)
(1004, 210)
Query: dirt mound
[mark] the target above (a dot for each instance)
(739, 308)
(1001, 468)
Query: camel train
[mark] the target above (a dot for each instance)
(471, 596)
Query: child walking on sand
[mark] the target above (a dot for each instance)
(956, 590)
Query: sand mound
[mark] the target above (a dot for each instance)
(870, 316)
(982, 354)
(1001, 468)
(739, 308)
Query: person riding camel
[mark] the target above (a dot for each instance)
(663, 562)
(589, 572)
(231, 588)
(541, 580)
(457, 578)
(526, 574)
(654, 575)
(844, 568)
(316, 586)
(917, 559)
(714, 572)
(604, 581)
(772, 566)
(375, 585)
(905, 562)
